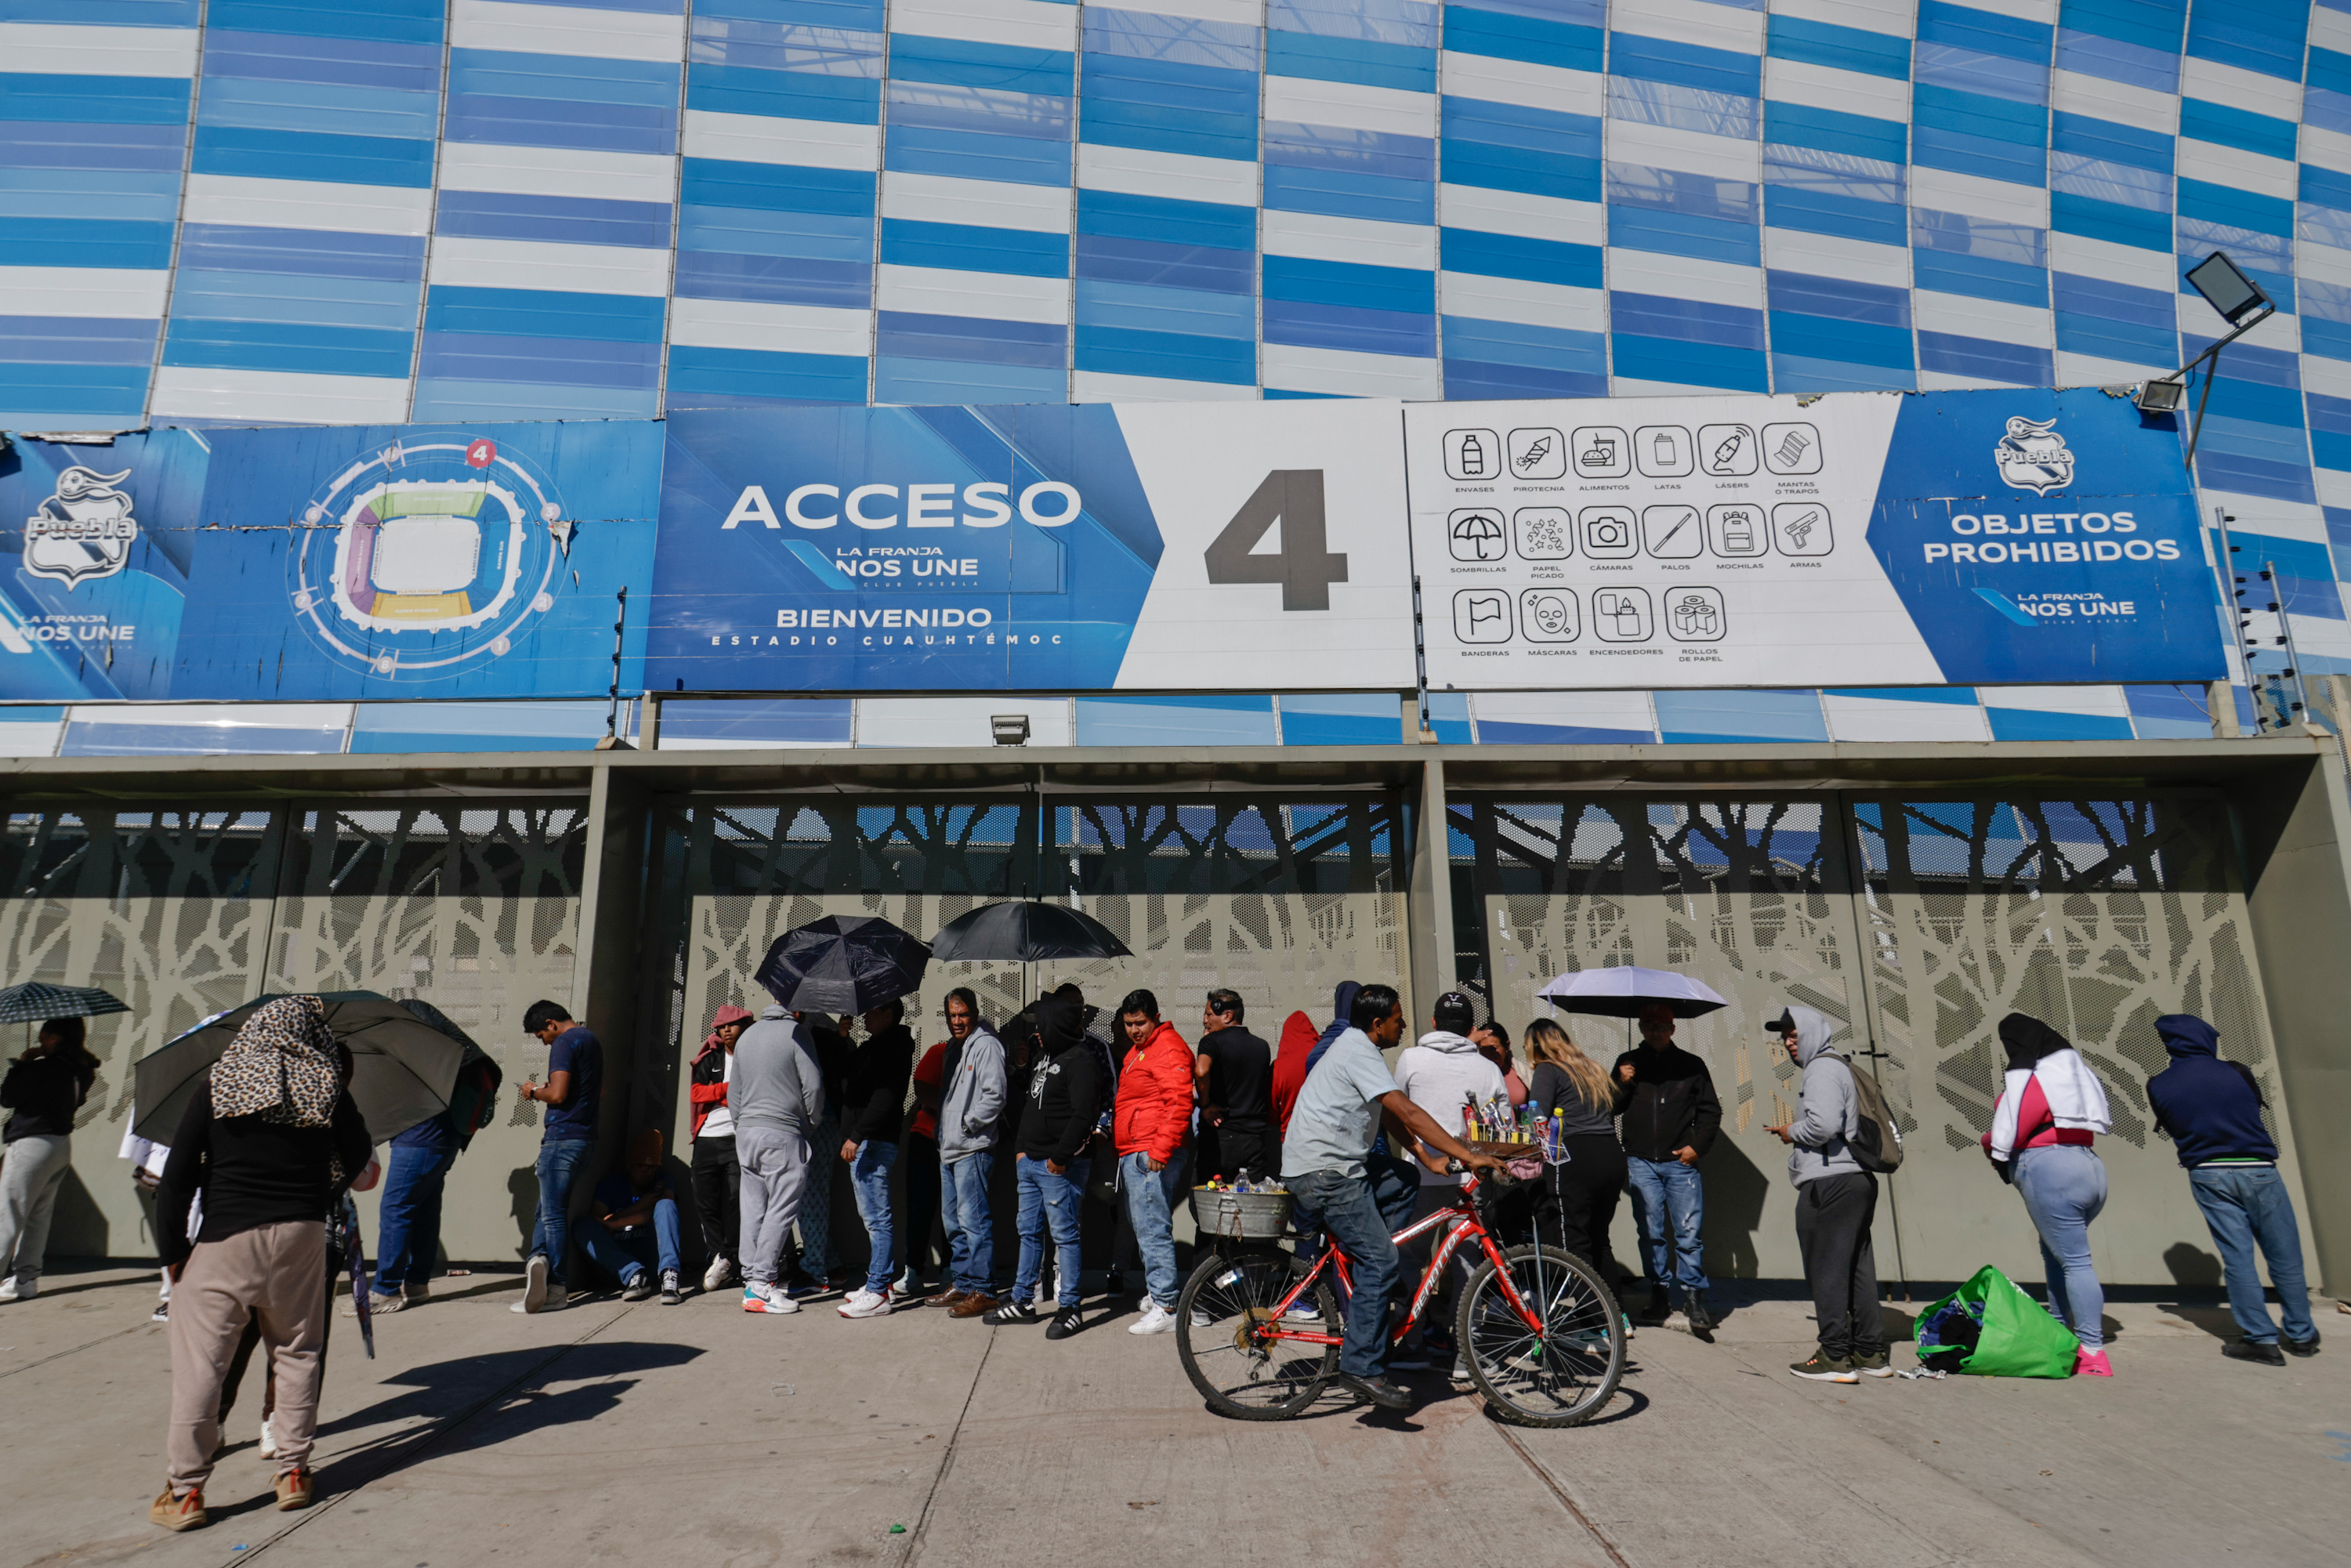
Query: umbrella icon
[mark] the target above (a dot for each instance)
(1478, 535)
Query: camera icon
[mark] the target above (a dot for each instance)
(1609, 533)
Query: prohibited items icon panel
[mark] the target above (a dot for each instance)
(1601, 451)
(1544, 533)
(1549, 615)
(1475, 533)
(1695, 614)
(1801, 529)
(1792, 449)
(1538, 453)
(1481, 615)
(1473, 455)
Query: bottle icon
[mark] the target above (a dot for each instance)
(1662, 452)
(1473, 457)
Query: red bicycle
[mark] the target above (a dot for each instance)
(1259, 1328)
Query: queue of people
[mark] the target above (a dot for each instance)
(251, 1201)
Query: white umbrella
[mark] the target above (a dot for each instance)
(1622, 993)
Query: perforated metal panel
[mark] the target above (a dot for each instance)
(1279, 900)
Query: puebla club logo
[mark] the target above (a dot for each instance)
(2033, 457)
(428, 557)
(84, 529)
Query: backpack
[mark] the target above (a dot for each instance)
(1876, 1142)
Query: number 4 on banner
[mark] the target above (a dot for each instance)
(1305, 568)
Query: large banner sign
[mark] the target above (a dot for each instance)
(1859, 539)
(98, 545)
(1129, 548)
(419, 560)
(1856, 539)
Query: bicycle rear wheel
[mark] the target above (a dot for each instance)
(1222, 1319)
(1557, 1370)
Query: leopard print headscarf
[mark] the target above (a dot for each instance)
(281, 1066)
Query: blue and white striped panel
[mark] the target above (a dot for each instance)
(972, 278)
(1350, 231)
(93, 138)
(1165, 253)
(773, 298)
(1685, 196)
(301, 262)
(1523, 231)
(2322, 252)
(551, 248)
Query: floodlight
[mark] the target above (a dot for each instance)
(2227, 289)
(2160, 397)
(1010, 728)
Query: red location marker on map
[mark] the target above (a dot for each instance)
(482, 452)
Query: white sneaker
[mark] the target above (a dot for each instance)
(864, 1304)
(378, 1304)
(534, 1286)
(718, 1275)
(17, 1288)
(767, 1299)
(1156, 1318)
(268, 1449)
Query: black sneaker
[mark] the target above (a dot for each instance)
(1701, 1320)
(1378, 1390)
(2246, 1350)
(671, 1294)
(640, 1286)
(1114, 1284)
(1010, 1313)
(1825, 1369)
(1066, 1322)
(2303, 1347)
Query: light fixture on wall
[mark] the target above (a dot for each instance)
(2241, 304)
(1010, 728)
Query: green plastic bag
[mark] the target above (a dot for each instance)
(2019, 1338)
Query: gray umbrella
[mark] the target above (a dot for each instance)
(405, 1060)
(37, 1001)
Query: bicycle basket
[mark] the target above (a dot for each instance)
(1241, 1216)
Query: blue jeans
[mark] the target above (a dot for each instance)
(1670, 1193)
(2247, 1207)
(409, 1238)
(1049, 1200)
(869, 1175)
(557, 1164)
(626, 1257)
(1151, 1205)
(2063, 1186)
(971, 1233)
(1343, 1206)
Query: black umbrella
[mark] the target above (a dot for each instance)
(843, 964)
(1026, 932)
(37, 1002)
(404, 1062)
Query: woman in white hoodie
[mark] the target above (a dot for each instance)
(2051, 1110)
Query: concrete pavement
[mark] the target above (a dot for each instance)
(704, 1435)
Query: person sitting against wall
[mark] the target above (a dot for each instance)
(633, 1232)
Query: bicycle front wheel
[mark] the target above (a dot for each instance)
(1543, 1336)
(1224, 1320)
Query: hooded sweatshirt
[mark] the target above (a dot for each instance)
(1442, 1074)
(778, 1082)
(973, 1097)
(1064, 1087)
(2049, 1095)
(874, 1085)
(2212, 1108)
(1828, 1107)
(1342, 1007)
(1290, 1069)
(712, 1067)
(1155, 1096)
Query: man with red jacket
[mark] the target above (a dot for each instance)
(1149, 1125)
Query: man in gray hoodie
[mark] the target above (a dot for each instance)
(1835, 1201)
(969, 1103)
(777, 1096)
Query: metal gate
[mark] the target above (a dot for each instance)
(1918, 922)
